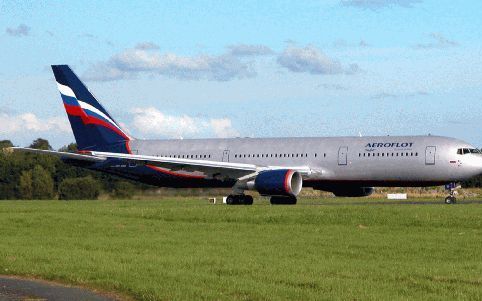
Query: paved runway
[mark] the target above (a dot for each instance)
(15, 289)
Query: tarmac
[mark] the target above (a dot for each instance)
(16, 289)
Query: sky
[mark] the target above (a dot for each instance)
(199, 69)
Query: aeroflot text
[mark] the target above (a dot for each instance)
(390, 144)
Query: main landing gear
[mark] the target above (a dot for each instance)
(239, 199)
(452, 187)
(283, 200)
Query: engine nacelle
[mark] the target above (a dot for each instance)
(279, 182)
(350, 191)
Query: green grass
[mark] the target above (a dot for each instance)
(191, 250)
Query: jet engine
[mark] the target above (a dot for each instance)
(279, 182)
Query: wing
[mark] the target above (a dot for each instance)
(62, 155)
(211, 169)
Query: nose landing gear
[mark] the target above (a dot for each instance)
(452, 187)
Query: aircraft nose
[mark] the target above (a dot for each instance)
(479, 165)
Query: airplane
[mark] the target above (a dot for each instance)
(274, 167)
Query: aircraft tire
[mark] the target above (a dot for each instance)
(450, 200)
(231, 200)
(247, 200)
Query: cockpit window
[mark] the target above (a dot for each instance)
(464, 151)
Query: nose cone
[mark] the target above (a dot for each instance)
(479, 165)
(476, 164)
(471, 165)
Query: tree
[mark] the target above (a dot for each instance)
(5, 143)
(42, 184)
(25, 189)
(85, 188)
(40, 143)
(72, 147)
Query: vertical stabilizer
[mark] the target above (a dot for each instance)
(93, 127)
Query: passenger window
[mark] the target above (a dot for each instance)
(316, 155)
(416, 154)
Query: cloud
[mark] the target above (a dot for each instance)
(311, 60)
(139, 60)
(379, 4)
(29, 122)
(249, 50)
(21, 30)
(336, 87)
(438, 41)
(147, 46)
(94, 38)
(87, 36)
(152, 121)
(223, 128)
(385, 95)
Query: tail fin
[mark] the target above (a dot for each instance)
(93, 127)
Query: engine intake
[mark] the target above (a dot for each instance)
(279, 182)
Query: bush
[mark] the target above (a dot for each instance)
(123, 190)
(25, 185)
(42, 184)
(85, 188)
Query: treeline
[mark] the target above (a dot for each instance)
(32, 176)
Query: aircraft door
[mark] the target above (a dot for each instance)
(342, 155)
(226, 155)
(430, 155)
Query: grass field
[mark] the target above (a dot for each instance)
(191, 250)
